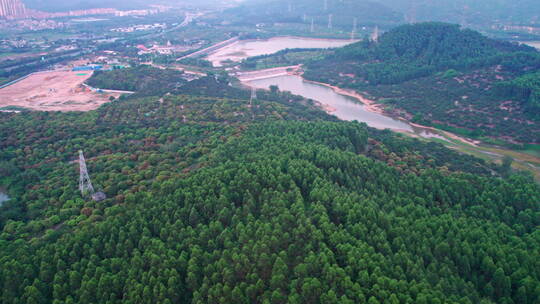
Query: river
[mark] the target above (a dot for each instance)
(248, 48)
(343, 107)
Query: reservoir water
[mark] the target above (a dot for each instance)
(346, 107)
(248, 48)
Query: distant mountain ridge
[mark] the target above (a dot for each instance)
(63, 6)
(468, 11)
(303, 11)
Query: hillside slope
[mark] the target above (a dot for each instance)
(215, 199)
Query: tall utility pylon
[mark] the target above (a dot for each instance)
(85, 185)
(353, 33)
(312, 24)
(375, 35)
(330, 21)
(412, 12)
(464, 13)
(253, 95)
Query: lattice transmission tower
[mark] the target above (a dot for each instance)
(353, 32)
(375, 34)
(330, 21)
(253, 96)
(85, 184)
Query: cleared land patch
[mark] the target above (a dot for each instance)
(53, 91)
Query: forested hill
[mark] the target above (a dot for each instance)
(216, 199)
(438, 44)
(445, 76)
(412, 51)
(284, 11)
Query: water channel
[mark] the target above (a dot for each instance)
(249, 48)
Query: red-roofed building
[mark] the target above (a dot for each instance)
(142, 48)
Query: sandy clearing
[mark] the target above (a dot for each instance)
(53, 91)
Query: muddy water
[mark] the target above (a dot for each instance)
(249, 48)
(343, 107)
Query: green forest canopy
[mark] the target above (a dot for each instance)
(144, 79)
(216, 200)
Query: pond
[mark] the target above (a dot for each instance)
(248, 48)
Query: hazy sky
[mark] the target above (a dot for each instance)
(62, 5)
(517, 11)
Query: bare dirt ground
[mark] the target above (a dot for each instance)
(54, 91)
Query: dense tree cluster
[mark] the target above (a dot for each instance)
(144, 79)
(525, 89)
(219, 200)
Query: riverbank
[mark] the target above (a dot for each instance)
(369, 104)
(373, 106)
